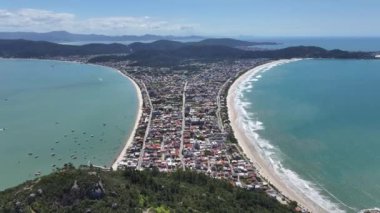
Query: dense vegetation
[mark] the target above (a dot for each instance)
(166, 52)
(307, 52)
(231, 42)
(26, 49)
(93, 190)
(152, 56)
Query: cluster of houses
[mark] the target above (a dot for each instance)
(181, 126)
(163, 142)
(184, 122)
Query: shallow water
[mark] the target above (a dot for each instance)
(322, 118)
(53, 113)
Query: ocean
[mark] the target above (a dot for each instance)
(371, 44)
(318, 122)
(52, 113)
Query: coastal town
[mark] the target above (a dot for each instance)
(189, 106)
(184, 123)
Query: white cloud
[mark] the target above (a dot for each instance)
(33, 19)
(44, 20)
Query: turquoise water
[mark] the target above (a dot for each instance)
(323, 117)
(53, 113)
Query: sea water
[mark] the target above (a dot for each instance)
(52, 113)
(371, 44)
(322, 120)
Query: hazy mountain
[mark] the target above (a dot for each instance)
(172, 45)
(165, 52)
(26, 49)
(63, 36)
(157, 45)
(231, 42)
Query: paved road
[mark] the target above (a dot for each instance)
(147, 128)
(219, 117)
(183, 125)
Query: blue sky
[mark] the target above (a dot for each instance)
(202, 17)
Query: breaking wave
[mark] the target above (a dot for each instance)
(271, 154)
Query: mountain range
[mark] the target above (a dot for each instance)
(28, 48)
(63, 36)
(166, 52)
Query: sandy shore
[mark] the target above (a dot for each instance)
(132, 135)
(247, 143)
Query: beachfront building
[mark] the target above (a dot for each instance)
(184, 124)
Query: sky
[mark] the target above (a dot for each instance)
(195, 17)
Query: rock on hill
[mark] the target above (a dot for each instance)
(93, 190)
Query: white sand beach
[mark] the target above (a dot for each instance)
(251, 148)
(132, 135)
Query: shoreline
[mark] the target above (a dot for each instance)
(249, 144)
(129, 141)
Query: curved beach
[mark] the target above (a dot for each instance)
(129, 141)
(250, 145)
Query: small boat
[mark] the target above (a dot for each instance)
(37, 174)
(52, 154)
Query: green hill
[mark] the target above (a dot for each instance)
(229, 42)
(26, 49)
(93, 190)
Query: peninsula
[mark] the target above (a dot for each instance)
(187, 120)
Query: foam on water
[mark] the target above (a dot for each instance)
(250, 124)
(374, 210)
